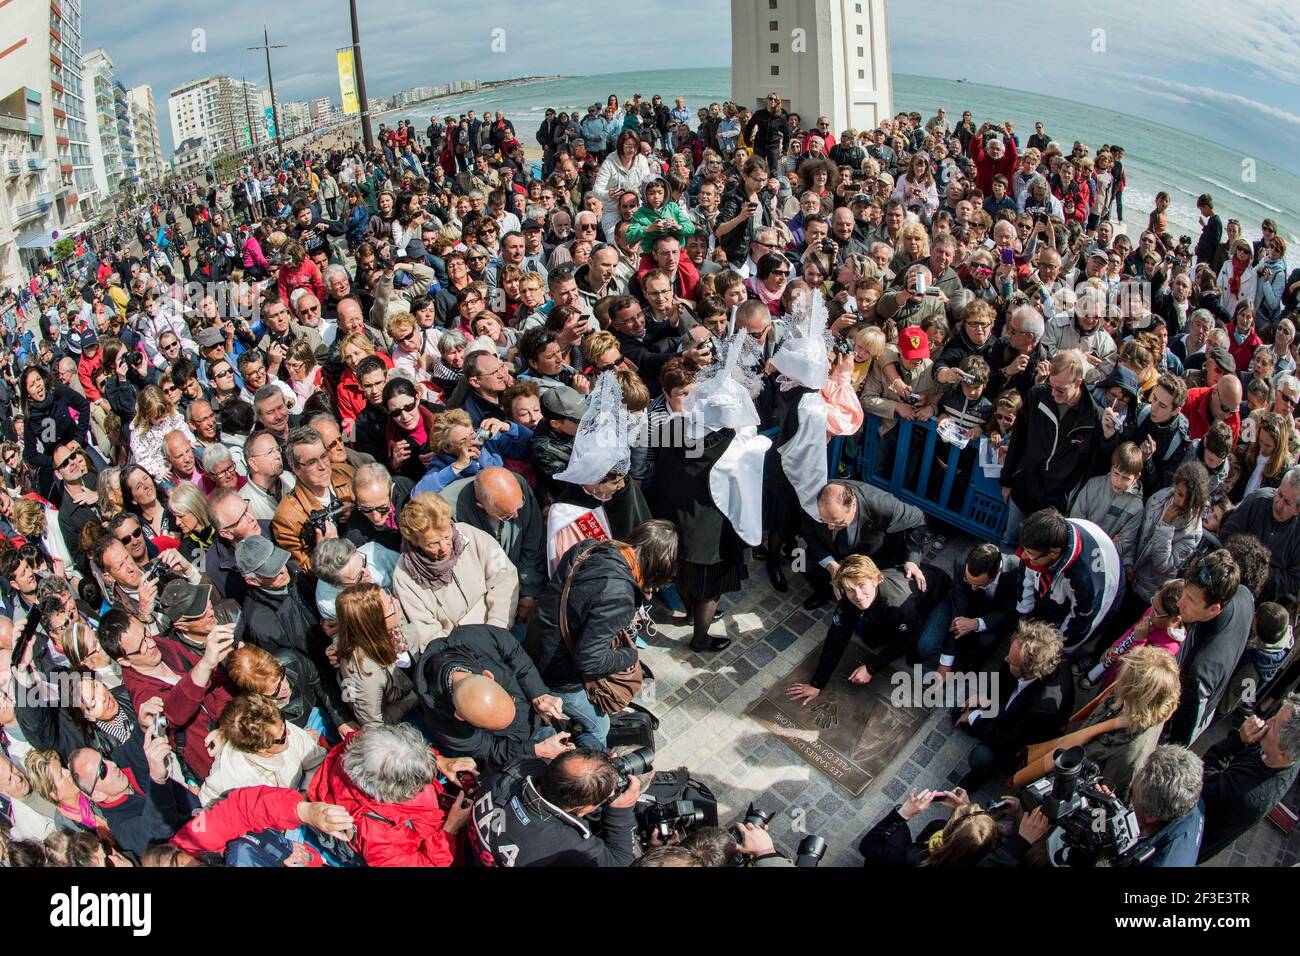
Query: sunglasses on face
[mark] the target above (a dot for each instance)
(132, 535)
(380, 510)
(400, 411)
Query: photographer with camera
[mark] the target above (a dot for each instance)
(481, 696)
(553, 802)
(968, 837)
(322, 500)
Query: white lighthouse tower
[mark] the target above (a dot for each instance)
(825, 57)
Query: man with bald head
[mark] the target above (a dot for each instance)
(500, 503)
(380, 499)
(482, 697)
(180, 456)
(1214, 403)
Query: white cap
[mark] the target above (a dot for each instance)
(604, 440)
(803, 356)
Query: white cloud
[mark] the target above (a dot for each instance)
(1209, 95)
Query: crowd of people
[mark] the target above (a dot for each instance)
(349, 489)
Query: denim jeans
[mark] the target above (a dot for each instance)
(590, 727)
(934, 632)
(1015, 518)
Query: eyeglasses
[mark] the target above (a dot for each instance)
(132, 535)
(284, 734)
(225, 373)
(396, 413)
(100, 774)
(224, 472)
(60, 465)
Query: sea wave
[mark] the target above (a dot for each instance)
(1239, 194)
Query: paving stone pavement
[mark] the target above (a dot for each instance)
(701, 701)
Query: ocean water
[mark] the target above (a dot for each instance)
(1156, 157)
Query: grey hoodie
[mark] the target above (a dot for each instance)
(1120, 516)
(1162, 549)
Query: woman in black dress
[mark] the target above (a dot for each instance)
(708, 482)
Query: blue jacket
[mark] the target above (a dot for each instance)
(358, 222)
(1079, 590)
(595, 130)
(509, 444)
(1179, 841)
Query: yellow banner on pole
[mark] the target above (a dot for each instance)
(348, 82)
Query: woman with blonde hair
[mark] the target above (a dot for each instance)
(260, 749)
(52, 782)
(1134, 710)
(190, 514)
(155, 418)
(373, 656)
(450, 573)
(968, 835)
(109, 491)
(39, 523)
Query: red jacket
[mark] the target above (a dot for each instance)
(1197, 412)
(1242, 354)
(86, 369)
(187, 706)
(1082, 198)
(986, 167)
(388, 834)
(306, 276)
(351, 402)
(241, 811)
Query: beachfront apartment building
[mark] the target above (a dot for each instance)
(321, 111)
(98, 92)
(823, 57)
(223, 113)
(144, 128)
(125, 134)
(46, 169)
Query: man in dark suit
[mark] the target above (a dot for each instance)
(1029, 703)
(857, 518)
(979, 612)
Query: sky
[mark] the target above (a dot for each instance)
(1227, 70)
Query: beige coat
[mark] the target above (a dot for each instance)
(878, 397)
(484, 590)
(376, 694)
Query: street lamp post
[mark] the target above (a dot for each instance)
(270, 81)
(366, 135)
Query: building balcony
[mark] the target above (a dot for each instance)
(25, 212)
(36, 164)
(13, 168)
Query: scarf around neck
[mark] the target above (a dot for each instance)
(426, 571)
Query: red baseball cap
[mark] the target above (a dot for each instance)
(913, 343)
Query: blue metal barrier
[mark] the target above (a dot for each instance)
(981, 511)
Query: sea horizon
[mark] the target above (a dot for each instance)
(1158, 157)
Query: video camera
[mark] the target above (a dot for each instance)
(1089, 824)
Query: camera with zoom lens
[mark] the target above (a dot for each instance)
(1089, 824)
(157, 570)
(632, 764)
(668, 818)
(320, 517)
(842, 345)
